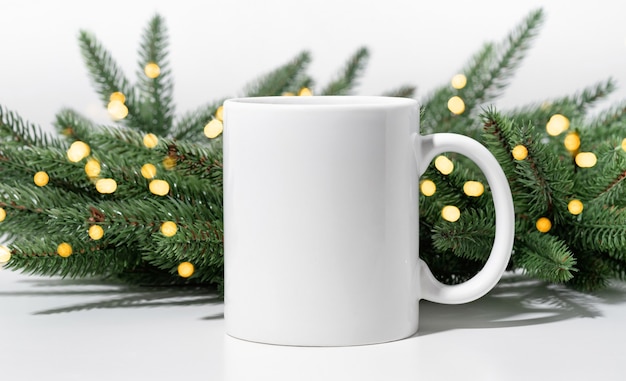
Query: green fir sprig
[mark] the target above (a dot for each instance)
(160, 204)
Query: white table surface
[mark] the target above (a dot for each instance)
(54, 329)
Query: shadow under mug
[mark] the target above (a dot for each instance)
(321, 219)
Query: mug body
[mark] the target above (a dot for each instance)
(320, 220)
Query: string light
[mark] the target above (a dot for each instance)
(152, 70)
(117, 96)
(450, 213)
(572, 142)
(543, 225)
(586, 159)
(41, 179)
(148, 171)
(444, 165)
(5, 254)
(305, 92)
(64, 249)
(575, 207)
(106, 186)
(185, 269)
(219, 113)
(92, 168)
(213, 129)
(520, 152)
(169, 162)
(459, 81)
(159, 187)
(117, 110)
(456, 105)
(150, 140)
(473, 188)
(169, 228)
(428, 188)
(557, 124)
(3, 214)
(96, 232)
(78, 151)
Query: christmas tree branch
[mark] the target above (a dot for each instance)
(404, 91)
(347, 78)
(545, 257)
(16, 131)
(107, 77)
(157, 109)
(190, 124)
(279, 80)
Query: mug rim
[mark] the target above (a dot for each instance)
(332, 101)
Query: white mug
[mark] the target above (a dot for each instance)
(321, 219)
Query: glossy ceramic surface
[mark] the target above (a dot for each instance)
(321, 219)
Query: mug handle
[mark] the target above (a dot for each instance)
(426, 148)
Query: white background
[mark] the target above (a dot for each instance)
(218, 46)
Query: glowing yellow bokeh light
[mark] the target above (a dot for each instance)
(159, 187)
(543, 225)
(96, 232)
(150, 140)
(5, 254)
(456, 105)
(459, 81)
(624, 144)
(288, 94)
(152, 70)
(117, 110)
(169, 162)
(473, 188)
(169, 228)
(148, 171)
(117, 96)
(572, 141)
(520, 152)
(450, 213)
(444, 165)
(185, 269)
(92, 168)
(3, 214)
(575, 207)
(41, 179)
(106, 186)
(428, 187)
(213, 129)
(219, 113)
(305, 92)
(64, 250)
(78, 151)
(586, 159)
(557, 124)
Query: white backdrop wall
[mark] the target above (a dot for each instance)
(218, 46)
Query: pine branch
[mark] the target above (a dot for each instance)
(404, 91)
(509, 55)
(73, 125)
(605, 183)
(191, 124)
(279, 80)
(37, 256)
(16, 131)
(156, 94)
(470, 237)
(107, 77)
(545, 257)
(575, 106)
(347, 78)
